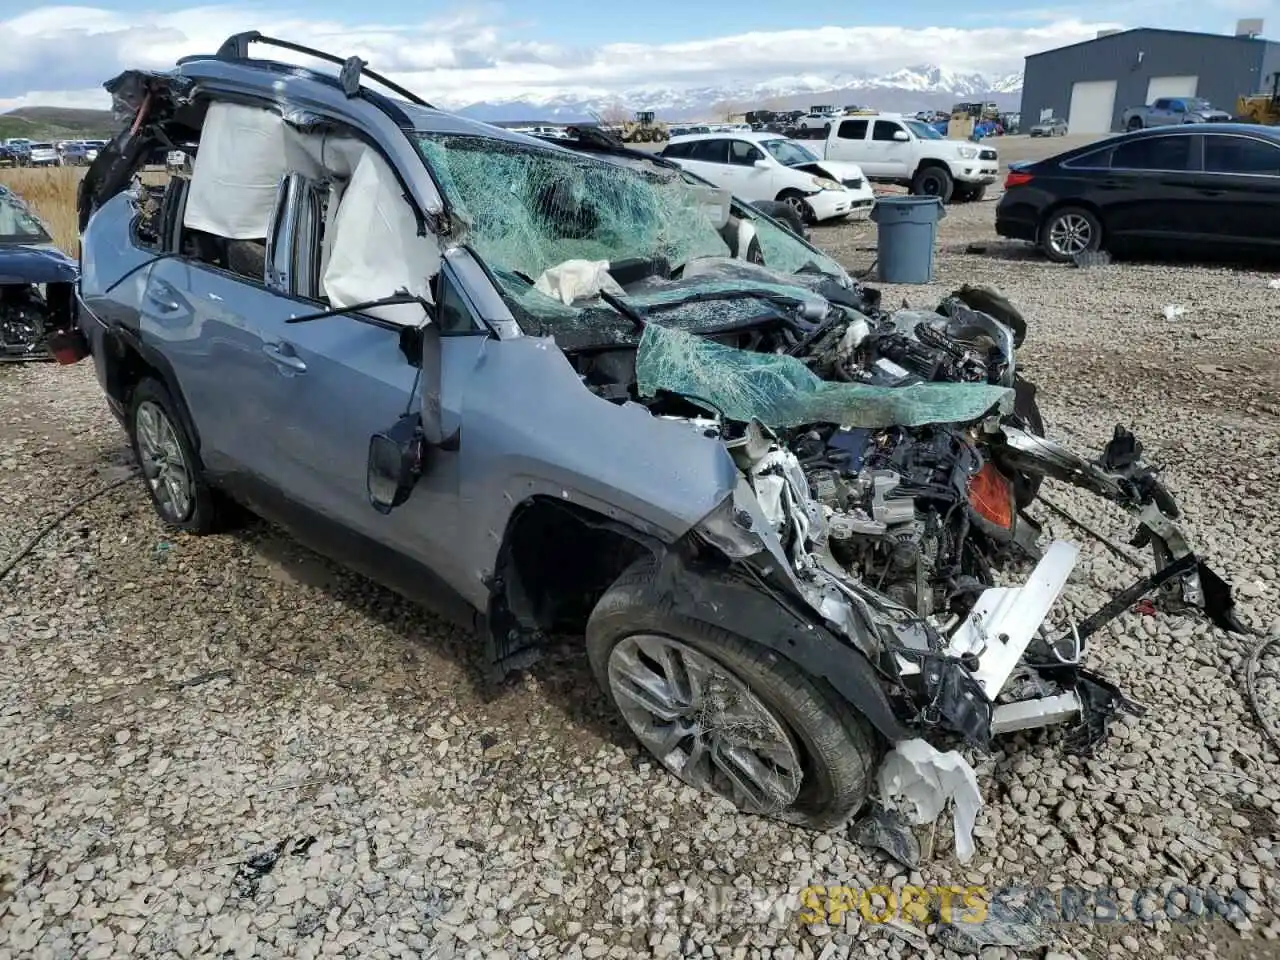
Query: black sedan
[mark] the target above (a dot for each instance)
(1199, 187)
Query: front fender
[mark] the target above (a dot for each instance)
(721, 600)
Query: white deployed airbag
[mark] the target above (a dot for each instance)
(237, 172)
(376, 249)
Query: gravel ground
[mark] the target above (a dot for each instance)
(172, 708)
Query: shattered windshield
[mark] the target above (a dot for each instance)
(780, 391)
(788, 152)
(529, 210)
(17, 223)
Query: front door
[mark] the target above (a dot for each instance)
(893, 158)
(1238, 195)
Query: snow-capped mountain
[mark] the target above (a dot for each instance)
(909, 89)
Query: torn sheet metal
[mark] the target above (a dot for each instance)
(1005, 619)
(927, 778)
(780, 391)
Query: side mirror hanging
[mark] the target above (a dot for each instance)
(395, 463)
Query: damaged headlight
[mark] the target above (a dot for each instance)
(823, 183)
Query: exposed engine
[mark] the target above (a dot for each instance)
(25, 320)
(914, 514)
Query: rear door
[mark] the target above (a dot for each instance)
(848, 141)
(709, 159)
(1149, 192)
(1239, 191)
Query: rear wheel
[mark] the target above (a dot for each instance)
(1069, 232)
(170, 466)
(1134, 124)
(799, 206)
(727, 716)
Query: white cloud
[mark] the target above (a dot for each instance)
(59, 55)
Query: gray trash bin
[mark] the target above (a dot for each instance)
(907, 228)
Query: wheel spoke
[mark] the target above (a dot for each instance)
(704, 723)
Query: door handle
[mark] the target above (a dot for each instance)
(282, 355)
(1211, 193)
(162, 303)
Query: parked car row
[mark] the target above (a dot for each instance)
(767, 166)
(21, 152)
(1201, 188)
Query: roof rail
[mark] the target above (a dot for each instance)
(236, 47)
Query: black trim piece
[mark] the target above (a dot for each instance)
(160, 364)
(742, 608)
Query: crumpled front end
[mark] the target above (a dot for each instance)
(888, 502)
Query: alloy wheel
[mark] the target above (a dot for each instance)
(704, 723)
(1070, 234)
(799, 206)
(163, 463)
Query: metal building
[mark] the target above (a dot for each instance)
(1091, 83)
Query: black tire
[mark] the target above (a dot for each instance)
(206, 512)
(800, 208)
(933, 182)
(784, 213)
(838, 748)
(1059, 219)
(1134, 123)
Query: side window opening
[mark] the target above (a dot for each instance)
(852, 130)
(884, 130)
(313, 212)
(710, 151)
(453, 312)
(743, 154)
(1154, 153)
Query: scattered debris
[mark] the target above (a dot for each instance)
(1173, 311)
(200, 679)
(888, 830)
(251, 871)
(1005, 925)
(928, 779)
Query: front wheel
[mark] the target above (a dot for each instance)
(1069, 232)
(1134, 124)
(933, 182)
(727, 716)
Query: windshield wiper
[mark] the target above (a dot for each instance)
(395, 300)
(632, 313)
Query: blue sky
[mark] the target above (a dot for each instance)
(536, 49)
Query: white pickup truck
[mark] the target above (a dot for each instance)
(902, 150)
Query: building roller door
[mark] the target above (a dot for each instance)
(1093, 104)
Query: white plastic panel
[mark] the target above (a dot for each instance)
(1171, 87)
(1093, 105)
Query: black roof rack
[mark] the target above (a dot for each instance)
(236, 47)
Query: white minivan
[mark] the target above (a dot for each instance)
(768, 166)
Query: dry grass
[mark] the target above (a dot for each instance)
(52, 195)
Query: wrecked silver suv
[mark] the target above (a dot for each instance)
(581, 391)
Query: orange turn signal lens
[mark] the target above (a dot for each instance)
(991, 496)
